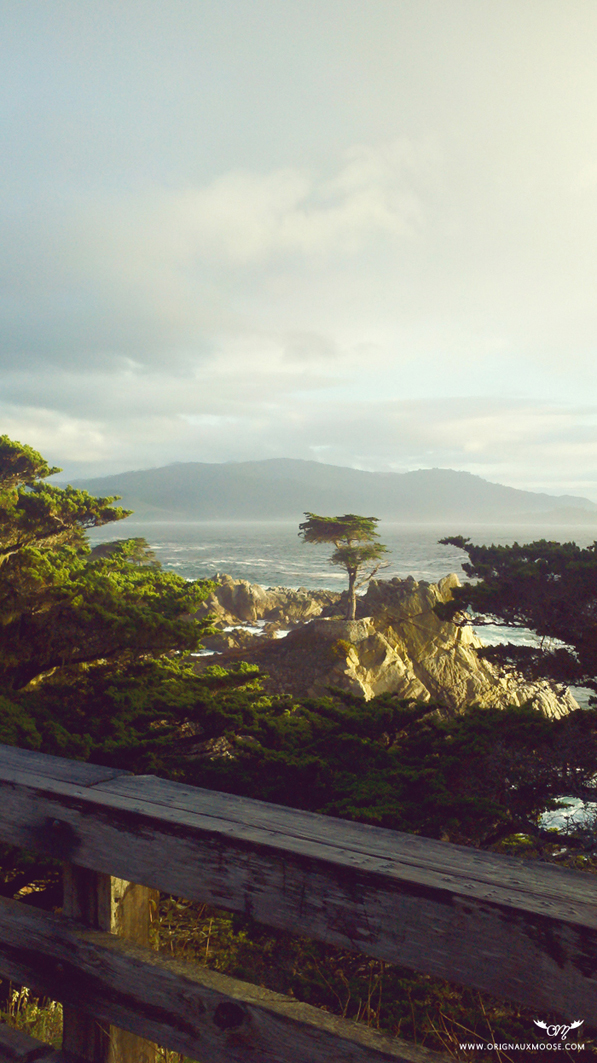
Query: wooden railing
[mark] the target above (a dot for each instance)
(525, 931)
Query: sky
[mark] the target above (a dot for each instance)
(361, 232)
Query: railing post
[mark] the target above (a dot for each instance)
(105, 903)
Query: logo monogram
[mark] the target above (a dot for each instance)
(558, 1031)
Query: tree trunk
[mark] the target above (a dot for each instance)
(351, 608)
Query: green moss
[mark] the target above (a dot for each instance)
(342, 648)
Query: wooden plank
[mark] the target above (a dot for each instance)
(73, 771)
(455, 861)
(16, 1046)
(184, 1007)
(102, 902)
(48, 1055)
(87, 898)
(529, 935)
(533, 886)
(129, 919)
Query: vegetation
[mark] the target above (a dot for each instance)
(36, 1016)
(353, 538)
(417, 1008)
(64, 607)
(94, 665)
(92, 655)
(548, 587)
(475, 778)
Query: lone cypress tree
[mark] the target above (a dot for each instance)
(352, 537)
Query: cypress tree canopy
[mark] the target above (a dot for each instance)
(352, 536)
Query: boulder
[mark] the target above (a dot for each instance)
(236, 601)
(397, 644)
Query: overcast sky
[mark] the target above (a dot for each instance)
(357, 231)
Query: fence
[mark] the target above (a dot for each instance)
(525, 931)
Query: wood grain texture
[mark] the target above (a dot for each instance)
(457, 861)
(74, 771)
(18, 1047)
(523, 931)
(101, 902)
(41, 1054)
(184, 1007)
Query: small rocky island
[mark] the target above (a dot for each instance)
(396, 644)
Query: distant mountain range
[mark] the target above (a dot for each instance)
(284, 488)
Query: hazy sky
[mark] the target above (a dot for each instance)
(360, 231)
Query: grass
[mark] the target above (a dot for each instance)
(39, 1017)
(417, 1008)
(42, 1018)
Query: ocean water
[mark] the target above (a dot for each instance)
(272, 554)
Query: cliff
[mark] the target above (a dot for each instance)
(397, 644)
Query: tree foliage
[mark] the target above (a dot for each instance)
(93, 666)
(62, 606)
(474, 778)
(548, 587)
(34, 513)
(353, 538)
(144, 714)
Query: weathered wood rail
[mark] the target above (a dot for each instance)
(521, 930)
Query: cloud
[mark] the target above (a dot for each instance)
(52, 432)
(156, 276)
(309, 346)
(137, 420)
(246, 217)
(585, 180)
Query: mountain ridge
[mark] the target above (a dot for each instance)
(284, 488)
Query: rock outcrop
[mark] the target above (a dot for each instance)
(236, 602)
(397, 644)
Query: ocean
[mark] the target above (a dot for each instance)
(271, 553)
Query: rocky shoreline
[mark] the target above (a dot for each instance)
(397, 644)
